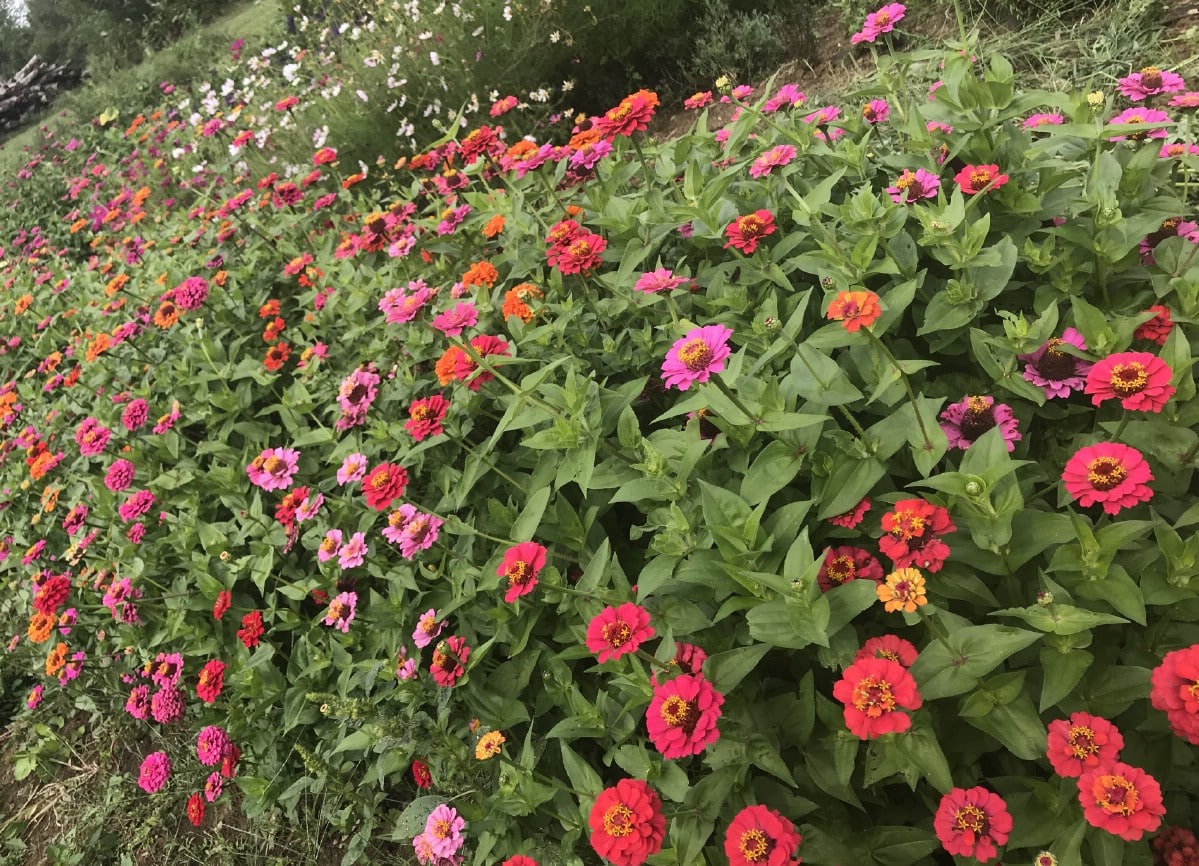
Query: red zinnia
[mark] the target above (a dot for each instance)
(1176, 691)
(682, 716)
(212, 680)
(426, 416)
(912, 534)
(875, 692)
(972, 823)
(582, 255)
(1140, 380)
(891, 647)
(632, 114)
(223, 601)
(421, 775)
(384, 483)
(851, 518)
(449, 661)
(627, 824)
(521, 566)
(195, 809)
(846, 563)
(975, 178)
(519, 860)
(1083, 742)
(1109, 473)
(251, 629)
(760, 836)
(1158, 328)
(1123, 800)
(747, 231)
(618, 630)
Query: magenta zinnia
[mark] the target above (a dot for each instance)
(971, 417)
(1140, 380)
(682, 716)
(696, 356)
(1111, 474)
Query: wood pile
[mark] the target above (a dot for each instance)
(31, 89)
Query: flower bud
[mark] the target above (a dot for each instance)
(1045, 599)
(771, 324)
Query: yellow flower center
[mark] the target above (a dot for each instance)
(618, 820)
(519, 574)
(1116, 795)
(873, 697)
(695, 354)
(1104, 473)
(842, 569)
(617, 634)
(754, 846)
(1128, 378)
(1082, 742)
(971, 819)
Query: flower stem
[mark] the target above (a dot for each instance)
(907, 383)
(724, 389)
(649, 183)
(1120, 427)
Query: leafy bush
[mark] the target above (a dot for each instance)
(828, 476)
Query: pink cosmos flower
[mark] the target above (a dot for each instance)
(880, 22)
(772, 159)
(1150, 81)
(971, 417)
(353, 552)
(1111, 474)
(661, 280)
(912, 186)
(427, 628)
(353, 468)
(452, 322)
(341, 611)
(1054, 371)
(1137, 116)
(696, 356)
(273, 468)
(154, 772)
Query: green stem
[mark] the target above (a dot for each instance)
(649, 182)
(1190, 455)
(957, 11)
(724, 389)
(853, 422)
(1120, 427)
(824, 386)
(907, 384)
(569, 590)
(939, 632)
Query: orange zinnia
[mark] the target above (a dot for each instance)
(166, 316)
(903, 590)
(494, 226)
(57, 659)
(855, 310)
(480, 274)
(514, 301)
(40, 626)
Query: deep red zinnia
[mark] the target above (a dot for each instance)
(972, 823)
(845, 563)
(251, 629)
(627, 824)
(521, 566)
(212, 680)
(425, 417)
(760, 836)
(384, 483)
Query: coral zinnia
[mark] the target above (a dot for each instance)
(854, 310)
(977, 178)
(449, 661)
(631, 114)
(971, 417)
(1123, 800)
(627, 824)
(1083, 742)
(888, 646)
(1109, 473)
(521, 566)
(1140, 380)
(617, 631)
(1158, 328)
(383, 484)
(972, 823)
(682, 716)
(912, 534)
(760, 836)
(1176, 691)
(875, 692)
(696, 356)
(746, 232)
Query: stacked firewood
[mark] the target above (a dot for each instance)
(31, 89)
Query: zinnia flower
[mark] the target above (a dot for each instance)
(903, 590)
(1122, 800)
(154, 772)
(1054, 371)
(1109, 473)
(251, 629)
(353, 552)
(617, 631)
(1176, 691)
(1150, 81)
(912, 534)
(627, 824)
(696, 356)
(211, 744)
(449, 660)
(972, 823)
(212, 680)
(1158, 328)
(521, 566)
(880, 22)
(968, 419)
(888, 646)
(977, 178)
(273, 468)
(1140, 380)
(443, 831)
(427, 628)
(774, 158)
(759, 836)
(876, 111)
(746, 232)
(682, 716)
(854, 310)
(1140, 116)
(421, 775)
(875, 693)
(1083, 742)
(385, 483)
(661, 280)
(911, 186)
(632, 114)
(489, 745)
(845, 563)
(851, 518)
(341, 610)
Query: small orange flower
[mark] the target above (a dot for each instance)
(116, 284)
(57, 659)
(902, 590)
(494, 226)
(480, 274)
(167, 315)
(855, 310)
(40, 627)
(23, 303)
(489, 745)
(448, 363)
(515, 301)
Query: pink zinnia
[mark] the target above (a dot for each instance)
(273, 468)
(1150, 81)
(330, 545)
(696, 356)
(353, 552)
(1190, 99)
(880, 22)
(135, 414)
(154, 772)
(353, 468)
(971, 417)
(427, 628)
(682, 716)
(211, 744)
(661, 280)
(788, 96)
(1110, 474)
(698, 100)
(772, 159)
(443, 832)
(401, 305)
(167, 705)
(92, 437)
(1055, 372)
(876, 111)
(136, 505)
(341, 611)
(412, 530)
(617, 631)
(521, 565)
(1043, 119)
(452, 322)
(1083, 742)
(912, 186)
(1137, 116)
(1140, 380)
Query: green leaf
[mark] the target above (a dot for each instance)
(849, 482)
(412, 820)
(1062, 673)
(771, 471)
(725, 670)
(900, 846)
(525, 526)
(1017, 726)
(689, 834)
(583, 778)
(972, 653)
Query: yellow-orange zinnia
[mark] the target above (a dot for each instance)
(855, 310)
(902, 590)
